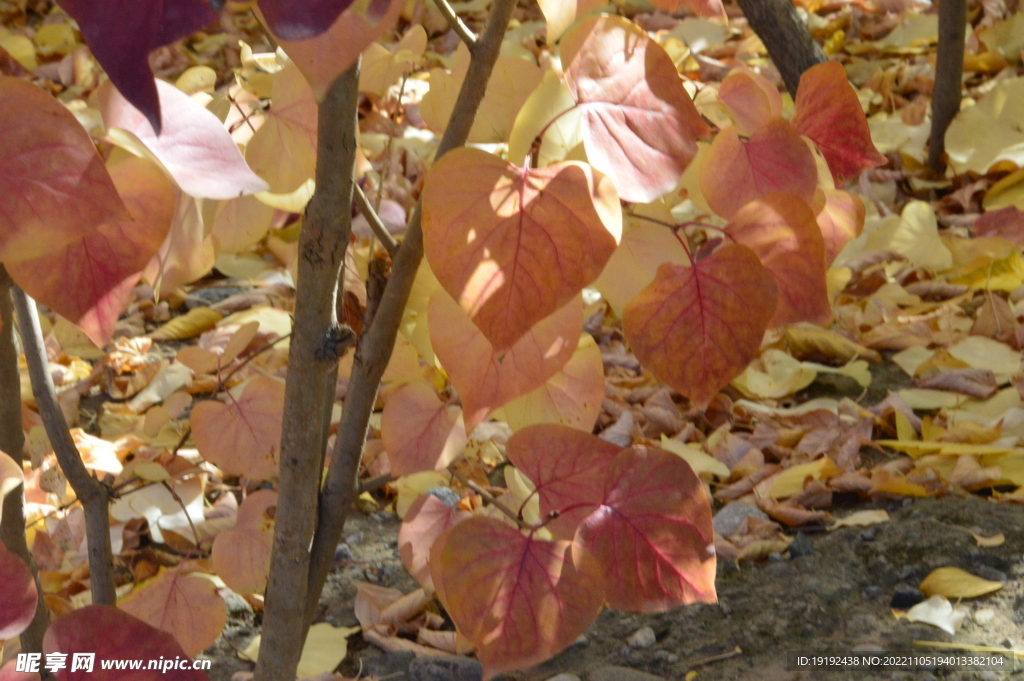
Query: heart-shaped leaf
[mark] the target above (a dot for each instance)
(750, 98)
(241, 554)
(56, 188)
(652, 533)
(518, 599)
(840, 220)
(513, 245)
(420, 432)
(697, 328)
(18, 595)
(424, 522)
(640, 126)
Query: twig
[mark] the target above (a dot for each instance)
(12, 441)
(490, 498)
(184, 509)
(375, 222)
(374, 484)
(95, 495)
(378, 340)
(458, 25)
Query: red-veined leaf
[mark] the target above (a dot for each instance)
(774, 158)
(193, 146)
(242, 437)
(697, 328)
(8, 672)
(652, 533)
(122, 33)
(420, 432)
(519, 600)
(185, 605)
(323, 58)
(486, 379)
(750, 98)
(56, 188)
(840, 220)
(283, 150)
(90, 281)
(640, 126)
(568, 468)
(423, 523)
(829, 112)
(114, 634)
(782, 231)
(513, 245)
(241, 555)
(18, 595)
(1007, 223)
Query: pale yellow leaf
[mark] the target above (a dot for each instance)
(861, 518)
(953, 582)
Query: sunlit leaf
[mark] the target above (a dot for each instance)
(953, 582)
(241, 555)
(840, 220)
(56, 188)
(11, 476)
(90, 280)
(652, 533)
(774, 158)
(560, 14)
(512, 245)
(122, 34)
(423, 523)
(782, 231)
(486, 379)
(420, 432)
(518, 599)
(239, 224)
(750, 98)
(183, 604)
(18, 595)
(829, 112)
(188, 251)
(640, 126)
(697, 328)
(242, 437)
(705, 8)
(301, 20)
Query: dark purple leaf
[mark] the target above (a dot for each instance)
(302, 19)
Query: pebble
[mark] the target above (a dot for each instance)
(391, 665)
(642, 638)
(872, 591)
(445, 669)
(354, 538)
(776, 557)
(343, 553)
(582, 641)
(869, 534)
(984, 616)
(728, 520)
(665, 656)
(801, 546)
(564, 677)
(905, 597)
(616, 673)
(446, 494)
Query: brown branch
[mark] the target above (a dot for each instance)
(375, 222)
(790, 45)
(317, 343)
(949, 77)
(465, 34)
(490, 498)
(12, 442)
(94, 495)
(374, 349)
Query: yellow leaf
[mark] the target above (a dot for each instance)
(904, 429)
(953, 582)
(995, 540)
(411, 486)
(189, 325)
(791, 481)
(919, 448)
(861, 518)
(808, 340)
(702, 464)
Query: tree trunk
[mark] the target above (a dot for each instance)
(949, 72)
(790, 45)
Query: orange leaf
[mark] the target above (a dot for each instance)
(781, 230)
(750, 98)
(705, 8)
(423, 523)
(775, 158)
(244, 436)
(512, 244)
(652, 533)
(90, 280)
(697, 328)
(639, 125)
(241, 555)
(840, 220)
(486, 379)
(518, 599)
(182, 604)
(420, 432)
(829, 112)
(56, 189)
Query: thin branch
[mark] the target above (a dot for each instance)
(458, 25)
(371, 216)
(12, 441)
(490, 498)
(378, 340)
(95, 496)
(374, 484)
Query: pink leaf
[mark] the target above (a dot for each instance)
(241, 554)
(18, 595)
(423, 523)
(568, 468)
(640, 127)
(840, 220)
(193, 145)
(420, 432)
(652, 533)
(56, 188)
(244, 436)
(750, 98)
(301, 20)
(122, 33)
(1007, 223)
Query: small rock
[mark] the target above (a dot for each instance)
(665, 656)
(446, 494)
(564, 677)
(776, 557)
(582, 641)
(872, 591)
(354, 538)
(868, 534)
(984, 616)
(989, 573)
(905, 597)
(801, 546)
(908, 502)
(642, 638)
(390, 665)
(445, 669)
(727, 521)
(615, 673)
(343, 553)
(906, 573)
